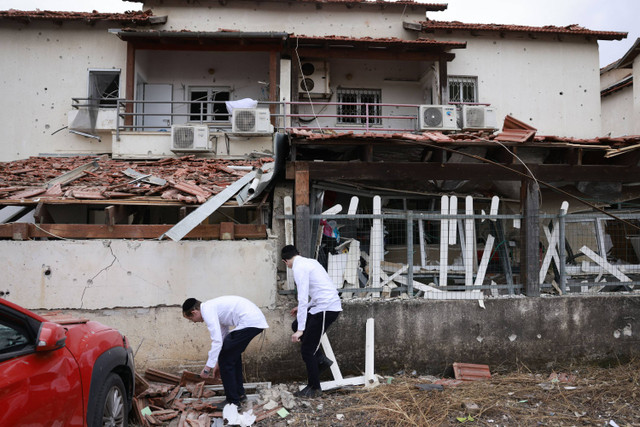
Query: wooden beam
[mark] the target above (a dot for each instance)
(302, 184)
(23, 231)
(374, 55)
(443, 88)
(416, 171)
(130, 82)
(42, 215)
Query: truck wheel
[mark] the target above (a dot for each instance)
(110, 407)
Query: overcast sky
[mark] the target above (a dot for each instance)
(605, 15)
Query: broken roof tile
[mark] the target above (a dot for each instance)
(132, 17)
(431, 26)
(107, 178)
(516, 135)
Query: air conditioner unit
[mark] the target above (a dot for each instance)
(314, 81)
(478, 117)
(190, 138)
(251, 120)
(437, 117)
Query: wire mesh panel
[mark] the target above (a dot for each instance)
(451, 251)
(591, 253)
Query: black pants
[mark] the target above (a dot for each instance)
(310, 341)
(230, 362)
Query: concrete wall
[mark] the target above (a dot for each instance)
(550, 84)
(44, 65)
(427, 336)
(301, 18)
(94, 274)
(618, 113)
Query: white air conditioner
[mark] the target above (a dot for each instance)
(437, 117)
(478, 117)
(314, 81)
(190, 138)
(251, 120)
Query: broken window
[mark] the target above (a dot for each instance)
(463, 89)
(357, 101)
(208, 104)
(104, 86)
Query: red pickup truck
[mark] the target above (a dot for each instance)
(58, 370)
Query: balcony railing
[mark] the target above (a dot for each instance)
(137, 115)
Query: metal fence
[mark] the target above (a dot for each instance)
(473, 255)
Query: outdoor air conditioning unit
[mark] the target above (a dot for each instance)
(478, 117)
(314, 81)
(437, 117)
(251, 120)
(190, 138)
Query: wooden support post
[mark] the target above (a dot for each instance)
(530, 255)
(443, 88)
(182, 213)
(42, 215)
(303, 221)
(130, 82)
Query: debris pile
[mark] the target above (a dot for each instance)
(567, 396)
(188, 179)
(188, 400)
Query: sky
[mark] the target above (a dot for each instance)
(604, 15)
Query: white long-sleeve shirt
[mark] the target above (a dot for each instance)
(223, 312)
(316, 290)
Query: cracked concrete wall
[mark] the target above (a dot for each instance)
(95, 274)
(427, 336)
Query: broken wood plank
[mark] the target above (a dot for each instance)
(484, 263)
(608, 267)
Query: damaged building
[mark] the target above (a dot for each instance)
(452, 177)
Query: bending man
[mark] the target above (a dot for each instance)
(318, 307)
(225, 356)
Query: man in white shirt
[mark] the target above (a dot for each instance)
(318, 307)
(225, 355)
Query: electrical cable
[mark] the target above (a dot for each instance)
(517, 172)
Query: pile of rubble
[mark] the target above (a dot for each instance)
(164, 399)
(187, 179)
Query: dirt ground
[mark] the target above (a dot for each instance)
(577, 396)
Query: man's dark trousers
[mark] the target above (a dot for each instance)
(230, 362)
(310, 341)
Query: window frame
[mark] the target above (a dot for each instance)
(104, 101)
(359, 93)
(461, 81)
(211, 115)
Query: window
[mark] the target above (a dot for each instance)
(208, 104)
(360, 97)
(463, 89)
(104, 86)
